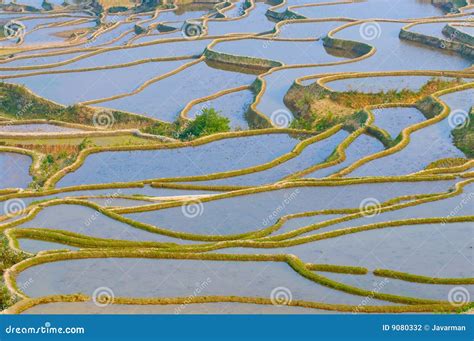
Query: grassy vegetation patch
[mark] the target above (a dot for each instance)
(316, 107)
(463, 136)
(16, 102)
(8, 257)
(446, 163)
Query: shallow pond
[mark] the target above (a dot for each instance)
(378, 84)
(386, 9)
(450, 207)
(428, 250)
(201, 308)
(15, 170)
(227, 154)
(398, 287)
(307, 29)
(255, 22)
(392, 54)
(56, 34)
(394, 120)
(430, 29)
(312, 155)
(135, 277)
(362, 146)
(113, 193)
(164, 99)
(305, 52)
(35, 3)
(136, 52)
(257, 211)
(94, 84)
(36, 128)
(87, 221)
(426, 145)
(35, 246)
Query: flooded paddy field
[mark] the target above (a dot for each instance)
(262, 157)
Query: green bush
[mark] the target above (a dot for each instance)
(208, 122)
(162, 129)
(8, 257)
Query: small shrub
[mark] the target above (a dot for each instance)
(208, 122)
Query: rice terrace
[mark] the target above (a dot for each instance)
(236, 156)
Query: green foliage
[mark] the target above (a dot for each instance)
(49, 159)
(47, 6)
(208, 122)
(85, 144)
(8, 257)
(325, 122)
(162, 129)
(138, 29)
(302, 123)
(463, 136)
(117, 9)
(18, 103)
